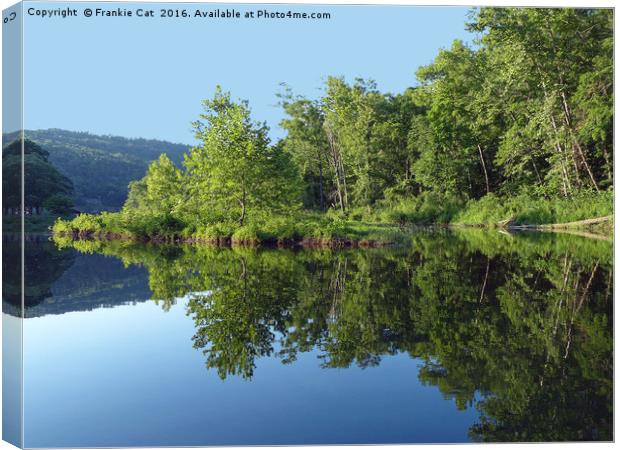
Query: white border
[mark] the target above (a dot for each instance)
(531, 3)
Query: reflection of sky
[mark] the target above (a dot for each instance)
(129, 376)
(146, 77)
(11, 378)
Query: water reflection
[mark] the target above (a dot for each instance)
(64, 280)
(519, 327)
(44, 264)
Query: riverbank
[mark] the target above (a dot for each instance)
(304, 229)
(493, 210)
(306, 242)
(600, 225)
(351, 235)
(601, 228)
(384, 225)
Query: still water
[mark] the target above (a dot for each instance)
(461, 336)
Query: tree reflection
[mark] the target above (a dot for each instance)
(519, 327)
(43, 265)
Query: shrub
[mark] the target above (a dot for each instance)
(217, 230)
(87, 223)
(426, 208)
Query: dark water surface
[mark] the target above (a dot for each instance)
(463, 336)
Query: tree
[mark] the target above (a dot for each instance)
(41, 179)
(307, 143)
(235, 171)
(163, 183)
(58, 203)
(547, 59)
(459, 161)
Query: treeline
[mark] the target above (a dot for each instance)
(527, 110)
(517, 127)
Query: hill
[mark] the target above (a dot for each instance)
(100, 167)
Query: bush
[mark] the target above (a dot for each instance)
(247, 232)
(427, 208)
(87, 223)
(279, 228)
(58, 203)
(217, 230)
(140, 223)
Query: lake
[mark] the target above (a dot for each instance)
(461, 336)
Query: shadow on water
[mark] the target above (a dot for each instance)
(64, 280)
(44, 264)
(517, 326)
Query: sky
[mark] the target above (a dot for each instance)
(146, 77)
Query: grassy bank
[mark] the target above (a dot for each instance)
(536, 211)
(305, 228)
(389, 223)
(492, 210)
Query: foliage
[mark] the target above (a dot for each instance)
(527, 110)
(58, 203)
(426, 208)
(518, 126)
(525, 209)
(41, 179)
(235, 170)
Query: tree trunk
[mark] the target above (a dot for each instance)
(537, 174)
(344, 185)
(321, 197)
(335, 164)
(337, 175)
(484, 168)
(566, 186)
(585, 163)
(567, 119)
(242, 204)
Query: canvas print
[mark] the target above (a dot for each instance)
(306, 224)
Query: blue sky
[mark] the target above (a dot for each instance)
(146, 77)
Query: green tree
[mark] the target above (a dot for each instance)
(459, 161)
(307, 143)
(235, 171)
(554, 75)
(58, 203)
(164, 183)
(42, 181)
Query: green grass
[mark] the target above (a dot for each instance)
(383, 224)
(330, 226)
(425, 209)
(490, 209)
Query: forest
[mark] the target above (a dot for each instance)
(517, 126)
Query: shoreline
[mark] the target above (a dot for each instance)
(582, 228)
(306, 242)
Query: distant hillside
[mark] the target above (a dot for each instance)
(100, 167)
